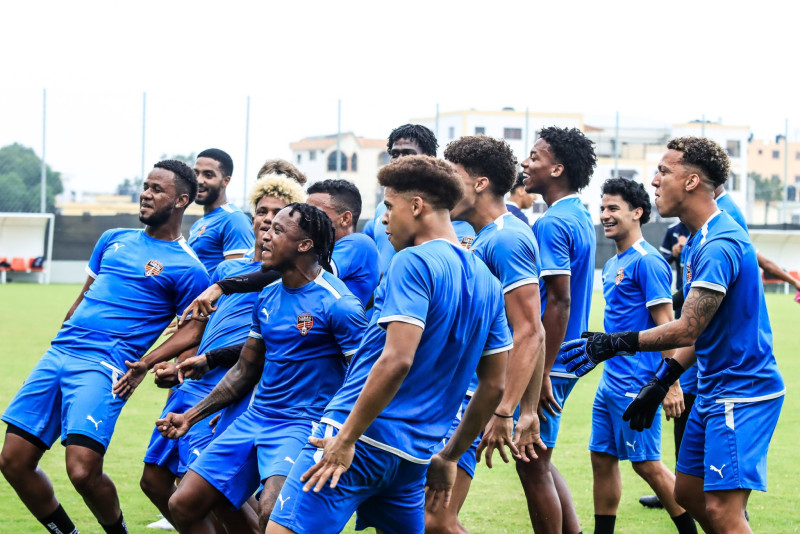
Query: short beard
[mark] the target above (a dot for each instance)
(158, 218)
(212, 195)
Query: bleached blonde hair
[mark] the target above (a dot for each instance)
(276, 186)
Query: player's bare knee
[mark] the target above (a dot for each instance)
(441, 523)
(181, 508)
(85, 477)
(648, 470)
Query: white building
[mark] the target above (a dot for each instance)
(359, 158)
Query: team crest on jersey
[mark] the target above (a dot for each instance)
(620, 276)
(201, 230)
(305, 322)
(153, 268)
(466, 242)
(688, 273)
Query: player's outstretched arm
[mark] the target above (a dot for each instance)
(525, 359)
(84, 289)
(187, 337)
(772, 269)
(442, 471)
(202, 306)
(385, 378)
(554, 320)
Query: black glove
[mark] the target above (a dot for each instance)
(585, 353)
(642, 410)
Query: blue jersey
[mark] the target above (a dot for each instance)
(568, 244)
(464, 232)
(453, 297)
(726, 204)
(734, 352)
(225, 231)
(509, 250)
(227, 326)
(140, 285)
(308, 332)
(355, 262)
(633, 282)
(518, 213)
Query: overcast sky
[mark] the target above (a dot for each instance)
(388, 62)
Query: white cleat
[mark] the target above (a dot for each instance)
(161, 524)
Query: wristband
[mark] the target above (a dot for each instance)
(668, 371)
(503, 416)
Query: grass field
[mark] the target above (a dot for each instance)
(30, 316)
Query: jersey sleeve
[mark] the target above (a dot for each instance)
(499, 339)
(369, 229)
(514, 260)
(255, 323)
(238, 237)
(341, 258)
(408, 291)
(554, 244)
(93, 268)
(716, 265)
(348, 323)
(655, 276)
(193, 282)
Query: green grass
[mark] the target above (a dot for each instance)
(30, 315)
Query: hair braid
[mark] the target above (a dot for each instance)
(319, 228)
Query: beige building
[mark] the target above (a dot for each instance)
(768, 159)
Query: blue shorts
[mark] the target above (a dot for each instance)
(67, 395)
(726, 444)
(178, 454)
(611, 435)
(468, 460)
(387, 491)
(561, 390)
(252, 449)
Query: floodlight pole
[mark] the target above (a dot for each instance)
(785, 171)
(527, 129)
(43, 186)
(436, 123)
(144, 119)
(339, 140)
(246, 151)
(616, 147)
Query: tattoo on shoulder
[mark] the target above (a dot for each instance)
(700, 306)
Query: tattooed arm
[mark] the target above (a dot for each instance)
(236, 383)
(700, 306)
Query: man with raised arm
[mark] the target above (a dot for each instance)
(725, 328)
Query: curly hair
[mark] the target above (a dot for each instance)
(318, 227)
(574, 151)
(281, 167)
(279, 187)
(221, 157)
(481, 155)
(633, 193)
(344, 194)
(704, 154)
(423, 136)
(185, 179)
(432, 179)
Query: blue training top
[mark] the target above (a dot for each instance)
(225, 231)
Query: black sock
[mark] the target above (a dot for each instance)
(604, 524)
(685, 523)
(117, 528)
(59, 522)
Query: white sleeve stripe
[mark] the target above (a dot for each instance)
(350, 352)
(553, 272)
(656, 302)
(90, 272)
(710, 285)
(255, 335)
(520, 283)
(664, 250)
(489, 352)
(383, 321)
(235, 251)
(334, 268)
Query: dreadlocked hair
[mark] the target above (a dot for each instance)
(319, 228)
(281, 167)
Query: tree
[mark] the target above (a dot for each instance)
(20, 181)
(767, 189)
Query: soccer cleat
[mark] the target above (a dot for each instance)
(161, 524)
(650, 501)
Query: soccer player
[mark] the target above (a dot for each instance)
(138, 280)
(637, 289)
(304, 327)
(560, 164)
(488, 168)
(724, 327)
(224, 232)
(355, 256)
(519, 199)
(167, 460)
(438, 315)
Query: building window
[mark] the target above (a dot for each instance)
(312, 155)
(332, 161)
(733, 182)
(797, 179)
(451, 132)
(383, 159)
(797, 155)
(354, 163)
(512, 133)
(760, 151)
(733, 148)
(776, 154)
(299, 159)
(480, 130)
